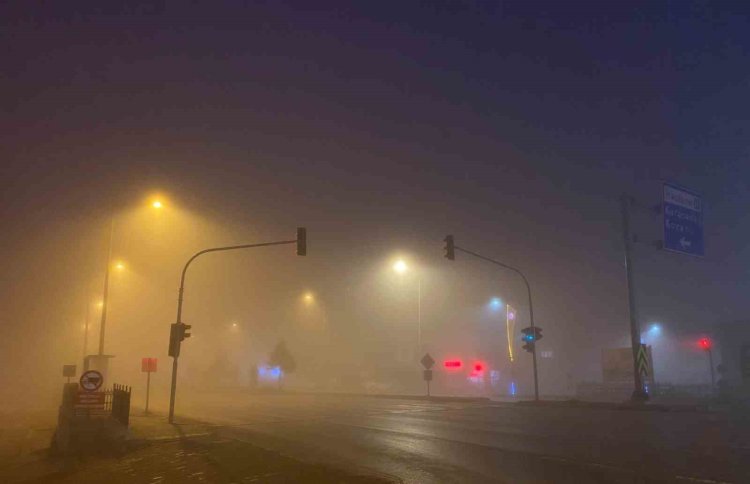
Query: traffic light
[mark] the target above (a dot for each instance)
(177, 334)
(705, 343)
(529, 337)
(450, 250)
(301, 241)
(537, 333)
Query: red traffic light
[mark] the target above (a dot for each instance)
(705, 343)
(477, 369)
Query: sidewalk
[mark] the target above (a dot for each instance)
(151, 428)
(159, 452)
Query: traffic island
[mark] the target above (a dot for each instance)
(91, 421)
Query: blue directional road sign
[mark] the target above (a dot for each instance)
(683, 220)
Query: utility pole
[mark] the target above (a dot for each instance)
(301, 242)
(639, 395)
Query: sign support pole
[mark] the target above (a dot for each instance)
(635, 334)
(148, 388)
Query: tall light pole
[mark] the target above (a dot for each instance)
(157, 204)
(86, 329)
(401, 267)
(105, 294)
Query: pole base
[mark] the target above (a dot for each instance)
(639, 396)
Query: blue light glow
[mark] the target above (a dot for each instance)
(269, 373)
(495, 303)
(655, 329)
(513, 388)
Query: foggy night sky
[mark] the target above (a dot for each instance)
(513, 125)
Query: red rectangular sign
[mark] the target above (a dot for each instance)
(148, 365)
(89, 399)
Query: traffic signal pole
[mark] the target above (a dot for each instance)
(301, 242)
(711, 368)
(639, 395)
(531, 306)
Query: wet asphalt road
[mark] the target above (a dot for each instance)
(418, 441)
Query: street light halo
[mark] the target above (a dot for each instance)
(400, 266)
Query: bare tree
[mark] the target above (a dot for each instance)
(281, 357)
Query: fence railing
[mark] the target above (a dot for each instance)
(116, 405)
(121, 403)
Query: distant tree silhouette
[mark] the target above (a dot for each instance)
(281, 357)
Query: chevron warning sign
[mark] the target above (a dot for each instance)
(642, 361)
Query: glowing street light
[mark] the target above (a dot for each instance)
(652, 333)
(119, 266)
(495, 303)
(400, 266)
(308, 297)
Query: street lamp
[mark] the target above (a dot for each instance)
(308, 297)
(400, 267)
(495, 303)
(120, 266)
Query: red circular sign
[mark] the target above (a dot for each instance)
(91, 380)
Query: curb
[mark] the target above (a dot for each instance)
(160, 439)
(396, 396)
(640, 407)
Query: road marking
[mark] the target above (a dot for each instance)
(704, 481)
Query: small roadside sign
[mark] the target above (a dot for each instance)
(683, 220)
(69, 371)
(148, 365)
(427, 361)
(427, 375)
(91, 380)
(642, 360)
(84, 399)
